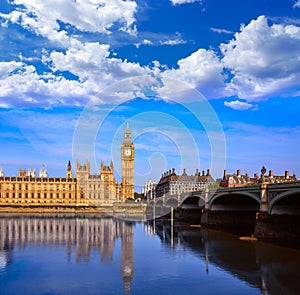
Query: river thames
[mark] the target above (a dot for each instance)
(47, 255)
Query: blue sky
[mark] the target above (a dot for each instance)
(205, 84)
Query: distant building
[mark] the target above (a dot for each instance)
(148, 190)
(173, 184)
(237, 179)
(271, 178)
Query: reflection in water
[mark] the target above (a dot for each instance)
(272, 269)
(84, 233)
(266, 268)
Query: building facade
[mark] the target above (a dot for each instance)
(86, 189)
(148, 190)
(99, 189)
(173, 184)
(30, 190)
(238, 179)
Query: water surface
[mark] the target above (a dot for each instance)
(111, 256)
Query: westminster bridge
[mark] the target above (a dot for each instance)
(265, 210)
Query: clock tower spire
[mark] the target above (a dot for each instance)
(127, 165)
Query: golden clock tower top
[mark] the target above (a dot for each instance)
(127, 136)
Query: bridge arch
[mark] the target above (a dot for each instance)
(287, 202)
(200, 197)
(172, 202)
(235, 201)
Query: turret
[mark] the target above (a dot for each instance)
(69, 170)
(43, 172)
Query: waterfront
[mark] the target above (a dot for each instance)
(111, 256)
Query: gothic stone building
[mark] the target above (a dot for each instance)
(28, 189)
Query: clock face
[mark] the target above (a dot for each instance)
(127, 152)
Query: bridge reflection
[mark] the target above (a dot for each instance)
(262, 265)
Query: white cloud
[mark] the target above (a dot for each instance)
(284, 20)
(238, 105)
(172, 42)
(221, 31)
(91, 62)
(201, 70)
(178, 2)
(159, 39)
(23, 86)
(264, 60)
(297, 4)
(87, 16)
(147, 42)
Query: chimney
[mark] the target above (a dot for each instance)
(207, 172)
(270, 173)
(197, 172)
(202, 172)
(238, 172)
(173, 170)
(225, 174)
(286, 174)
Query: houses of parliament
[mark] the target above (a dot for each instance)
(28, 189)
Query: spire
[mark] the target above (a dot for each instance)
(69, 170)
(127, 135)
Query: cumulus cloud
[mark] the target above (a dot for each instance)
(263, 59)
(86, 16)
(91, 63)
(178, 2)
(238, 105)
(260, 61)
(201, 70)
(23, 86)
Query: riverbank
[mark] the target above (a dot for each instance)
(122, 210)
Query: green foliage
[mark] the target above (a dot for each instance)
(138, 195)
(129, 200)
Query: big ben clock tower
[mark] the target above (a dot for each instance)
(127, 165)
